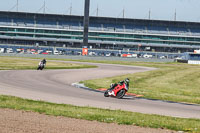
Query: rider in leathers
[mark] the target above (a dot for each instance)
(42, 63)
(126, 81)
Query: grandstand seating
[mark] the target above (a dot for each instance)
(104, 30)
(42, 23)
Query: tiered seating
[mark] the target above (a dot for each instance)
(109, 27)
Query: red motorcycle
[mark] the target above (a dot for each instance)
(118, 91)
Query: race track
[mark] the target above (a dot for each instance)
(55, 86)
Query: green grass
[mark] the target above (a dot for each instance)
(10, 63)
(171, 81)
(101, 115)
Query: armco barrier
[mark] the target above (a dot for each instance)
(79, 57)
(181, 61)
(194, 62)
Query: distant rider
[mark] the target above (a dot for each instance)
(41, 64)
(44, 61)
(126, 81)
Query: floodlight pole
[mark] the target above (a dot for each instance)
(44, 7)
(70, 12)
(86, 22)
(149, 14)
(97, 11)
(17, 5)
(175, 15)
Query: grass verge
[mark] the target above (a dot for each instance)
(171, 82)
(17, 63)
(101, 115)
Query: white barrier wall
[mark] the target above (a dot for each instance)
(193, 62)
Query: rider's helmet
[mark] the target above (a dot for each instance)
(44, 60)
(127, 80)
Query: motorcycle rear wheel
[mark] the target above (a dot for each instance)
(106, 94)
(121, 93)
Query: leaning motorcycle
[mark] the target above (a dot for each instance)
(118, 91)
(40, 66)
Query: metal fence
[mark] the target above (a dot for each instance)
(79, 57)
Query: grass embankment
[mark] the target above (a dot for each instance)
(101, 115)
(10, 63)
(171, 81)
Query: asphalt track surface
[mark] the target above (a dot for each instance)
(56, 86)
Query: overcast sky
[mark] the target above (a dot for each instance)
(186, 10)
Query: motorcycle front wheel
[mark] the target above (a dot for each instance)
(38, 68)
(106, 94)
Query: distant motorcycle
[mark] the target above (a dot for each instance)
(41, 66)
(118, 91)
